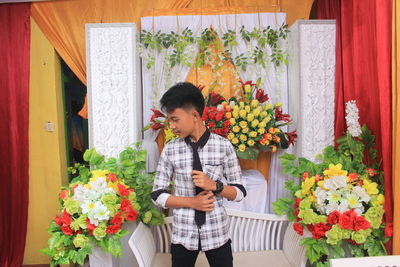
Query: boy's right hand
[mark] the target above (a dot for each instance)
(204, 201)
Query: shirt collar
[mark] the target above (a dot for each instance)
(202, 140)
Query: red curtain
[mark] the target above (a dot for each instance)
(14, 100)
(363, 71)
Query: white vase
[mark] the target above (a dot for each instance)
(100, 258)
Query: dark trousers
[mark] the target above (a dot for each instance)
(219, 257)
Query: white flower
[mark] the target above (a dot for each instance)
(343, 206)
(353, 126)
(331, 207)
(359, 211)
(80, 193)
(100, 182)
(361, 193)
(88, 206)
(335, 182)
(354, 201)
(101, 212)
(321, 195)
(220, 107)
(334, 196)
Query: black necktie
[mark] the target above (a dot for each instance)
(199, 216)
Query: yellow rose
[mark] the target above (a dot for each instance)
(277, 139)
(228, 115)
(232, 121)
(235, 113)
(279, 104)
(243, 137)
(253, 134)
(242, 113)
(267, 119)
(262, 124)
(243, 124)
(250, 117)
(235, 140)
(247, 108)
(230, 136)
(268, 106)
(254, 123)
(236, 129)
(250, 142)
(261, 131)
(247, 88)
(241, 104)
(245, 130)
(236, 107)
(273, 148)
(263, 114)
(257, 111)
(254, 103)
(272, 130)
(242, 147)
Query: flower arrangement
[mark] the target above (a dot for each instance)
(339, 200)
(96, 204)
(249, 122)
(256, 124)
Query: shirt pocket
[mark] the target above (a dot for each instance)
(214, 171)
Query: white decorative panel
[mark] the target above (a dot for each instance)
(114, 87)
(312, 84)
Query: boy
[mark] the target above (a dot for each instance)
(196, 162)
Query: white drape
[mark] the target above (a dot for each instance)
(274, 79)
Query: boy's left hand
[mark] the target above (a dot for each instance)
(201, 180)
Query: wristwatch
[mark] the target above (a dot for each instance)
(220, 187)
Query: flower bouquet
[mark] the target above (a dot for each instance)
(339, 200)
(256, 124)
(96, 204)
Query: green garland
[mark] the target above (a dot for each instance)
(266, 39)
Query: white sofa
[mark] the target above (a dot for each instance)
(257, 240)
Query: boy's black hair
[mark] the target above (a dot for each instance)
(183, 95)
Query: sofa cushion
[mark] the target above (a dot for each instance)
(240, 259)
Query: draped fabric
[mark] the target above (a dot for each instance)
(396, 125)
(274, 80)
(14, 115)
(363, 72)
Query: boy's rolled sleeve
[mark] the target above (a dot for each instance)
(161, 188)
(233, 173)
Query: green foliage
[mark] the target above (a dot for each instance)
(265, 38)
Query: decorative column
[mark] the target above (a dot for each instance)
(312, 84)
(115, 105)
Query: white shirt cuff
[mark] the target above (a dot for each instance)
(239, 194)
(162, 200)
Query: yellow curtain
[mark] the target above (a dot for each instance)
(396, 125)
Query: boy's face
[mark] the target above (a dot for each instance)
(183, 121)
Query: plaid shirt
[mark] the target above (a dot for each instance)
(218, 160)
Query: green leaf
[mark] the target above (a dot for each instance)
(282, 205)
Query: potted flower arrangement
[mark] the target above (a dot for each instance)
(97, 203)
(340, 199)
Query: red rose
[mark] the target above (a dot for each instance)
(132, 215)
(112, 229)
(296, 213)
(361, 223)
(318, 177)
(389, 230)
(298, 228)
(125, 205)
(346, 221)
(333, 217)
(310, 227)
(66, 218)
(319, 230)
(227, 123)
(58, 220)
(305, 176)
(219, 116)
(218, 131)
(353, 177)
(112, 177)
(66, 230)
(205, 116)
(360, 182)
(211, 124)
(225, 130)
(122, 190)
(297, 203)
(117, 220)
(211, 116)
(90, 226)
(64, 194)
(371, 172)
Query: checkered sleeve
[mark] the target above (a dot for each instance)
(161, 187)
(232, 171)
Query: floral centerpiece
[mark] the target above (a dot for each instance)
(96, 204)
(339, 200)
(248, 121)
